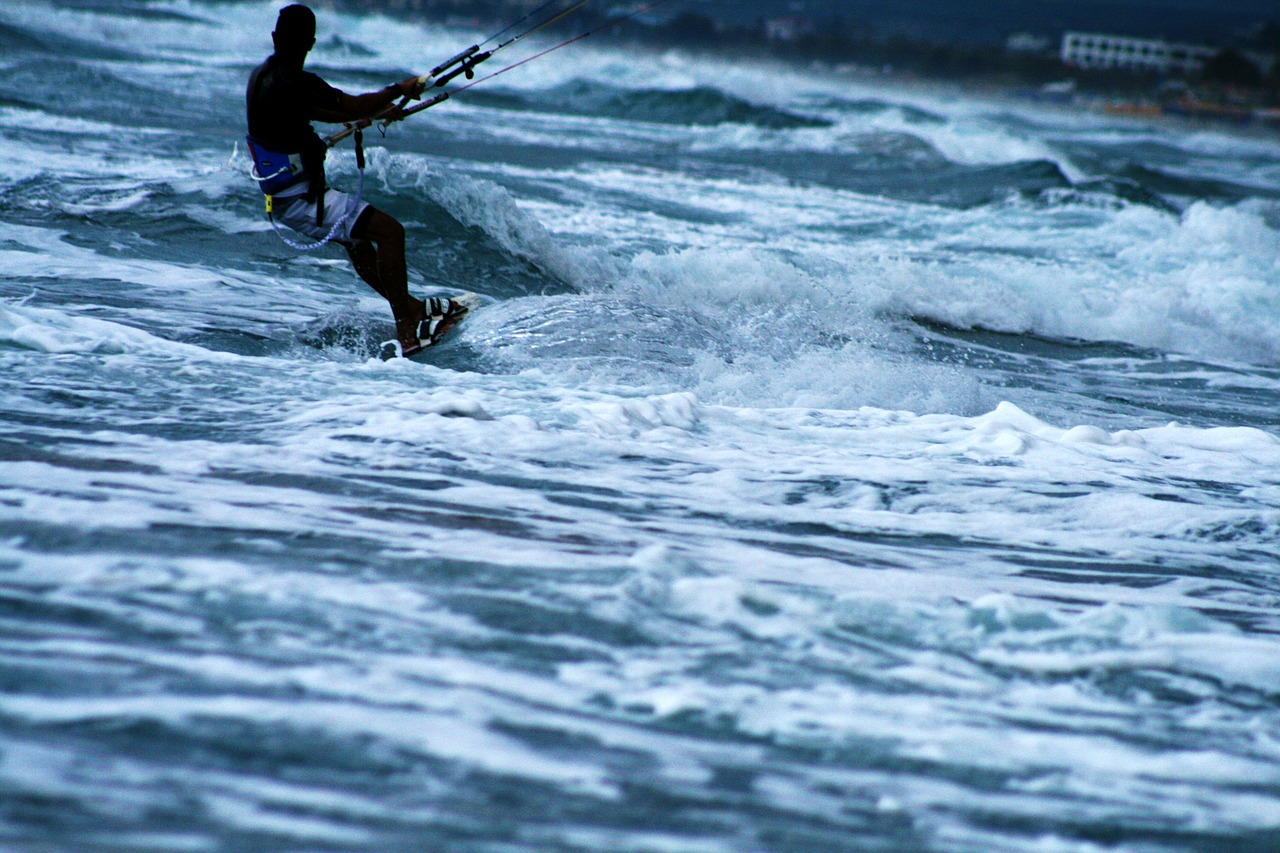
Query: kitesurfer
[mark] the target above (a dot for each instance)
(283, 100)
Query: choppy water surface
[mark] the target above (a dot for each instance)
(834, 466)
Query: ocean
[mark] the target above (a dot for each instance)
(835, 464)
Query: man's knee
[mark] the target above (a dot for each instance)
(359, 247)
(380, 228)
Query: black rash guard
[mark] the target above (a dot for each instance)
(282, 101)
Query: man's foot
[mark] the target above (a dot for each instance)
(436, 315)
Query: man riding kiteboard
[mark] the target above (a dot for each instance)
(283, 100)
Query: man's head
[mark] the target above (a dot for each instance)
(295, 32)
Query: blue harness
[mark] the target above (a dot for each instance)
(276, 170)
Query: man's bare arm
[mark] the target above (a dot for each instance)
(354, 107)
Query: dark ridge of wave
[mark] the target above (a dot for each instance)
(1204, 189)
(974, 186)
(21, 103)
(132, 9)
(1128, 191)
(899, 149)
(930, 182)
(80, 90)
(17, 41)
(699, 106)
(875, 106)
(1104, 192)
(1144, 382)
(452, 255)
(344, 47)
(1030, 343)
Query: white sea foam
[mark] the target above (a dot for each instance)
(1142, 276)
(51, 331)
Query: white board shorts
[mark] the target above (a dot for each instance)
(300, 215)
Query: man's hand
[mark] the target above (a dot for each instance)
(413, 87)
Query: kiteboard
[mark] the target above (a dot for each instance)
(432, 333)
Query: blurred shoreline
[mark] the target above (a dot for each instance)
(1238, 89)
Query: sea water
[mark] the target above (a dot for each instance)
(834, 465)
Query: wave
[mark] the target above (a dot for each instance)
(81, 90)
(930, 180)
(1109, 192)
(696, 106)
(19, 41)
(52, 331)
(490, 218)
(906, 166)
(16, 40)
(1167, 182)
(1174, 283)
(336, 44)
(139, 9)
(1143, 274)
(865, 107)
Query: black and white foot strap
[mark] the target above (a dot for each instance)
(439, 309)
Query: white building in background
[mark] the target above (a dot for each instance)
(1092, 50)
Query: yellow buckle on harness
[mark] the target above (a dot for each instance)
(271, 204)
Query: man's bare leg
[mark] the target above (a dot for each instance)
(378, 256)
(364, 257)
